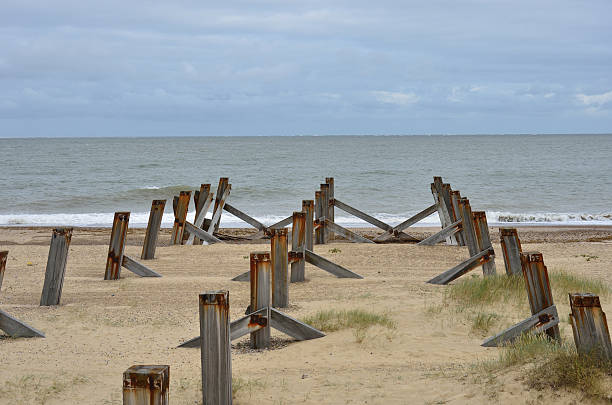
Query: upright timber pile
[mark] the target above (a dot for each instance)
(146, 385)
(56, 266)
(116, 258)
(589, 326)
(544, 317)
(511, 248)
(155, 219)
(9, 324)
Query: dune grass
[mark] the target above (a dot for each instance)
(333, 320)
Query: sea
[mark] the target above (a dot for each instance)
(553, 180)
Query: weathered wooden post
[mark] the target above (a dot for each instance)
(308, 208)
(319, 213)
(511, 246)
(280, 268)
(484, 241)
(56, 266)
(180, 216)
(155, 220)
(445, 209)
(330, 203)
(3, 256)
(117, 244)
(325, 210)
(455, 196)
(467, 223)
(298, 245)
(589, 325)
(216, 348)
(260, 295)
(538, 286)
(199, 199)
(223, 184)
(146, 385)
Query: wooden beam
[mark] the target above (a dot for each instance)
(245, 217)
(155, 220)
(308, 208)
(223, 185)
(201, 233)
(345, 233)
(589, 325)
(511, 248)
(484, 241)
(246, 276)
(455, 196)
(138, 268)
(330, 206)
(325, 204)
(329, 266)
(467, 224)
(216, 348)
(292, 327)
(15, 328)
(180, 215)
(407, 223)
(205, 201)
(536, 323)
(146, 385)
(462, 268)
(280, 268)
(216, 219)
(362, 215)
(319, 213)
(260, 295)
(116, 246)
(443, 234)
(56, 266)
(3, 256)
(438, 192)
(280, 224)
(538, 286)
(298, 244)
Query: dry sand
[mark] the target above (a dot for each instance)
(103, 327)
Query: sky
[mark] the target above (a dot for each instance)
(153, 68)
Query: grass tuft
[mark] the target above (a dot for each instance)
(333, 320)
(476, 291)
(563, 282)
(482, 322)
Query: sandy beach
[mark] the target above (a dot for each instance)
(103, 327)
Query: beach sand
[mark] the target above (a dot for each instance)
(103, 327)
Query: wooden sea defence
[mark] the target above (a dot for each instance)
(298, 246)
(116, 257)
(56, 266)
(280, 268)
(261, 274)
(180, 205)
(9, 324)
(216, 348)
(589, 326)
(511, 248)
(308, 209)
(152, 232)
(219, 202)
(146, 385)
(544, 317)
(202, 203)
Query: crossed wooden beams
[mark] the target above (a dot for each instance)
(261, 314)
(299, 254)
(116, 258)
(9, 324)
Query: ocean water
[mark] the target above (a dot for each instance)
(544, 179)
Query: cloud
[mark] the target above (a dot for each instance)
(390, 97)
(596, 100)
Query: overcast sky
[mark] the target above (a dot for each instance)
(121, 68)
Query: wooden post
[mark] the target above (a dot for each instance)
(484, 241)
(280, 271)
(319, 231)
(538, 286)
(223, 184)
(325, 211)
(56, 266)
(455, 196)
(308, 208)
(3, 256)
(467, 224)
(260, 295)
(511, 247)
(298, 245)
(442, 198)
(180, 215)
(155, 220)
(589, 325)
(199, 199)
(146, 385)
(330, 207)
(215, 348)
(117, 244)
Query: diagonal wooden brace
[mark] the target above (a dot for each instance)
(245, 217)
(538, 323)
(266, 232)
(443, 234)
(339, 230)
(463, 267)
(200, 218)
(201, 233)
(138, 268)
(329, 266)
(15, 328)
(397, 230)
(293, 327)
